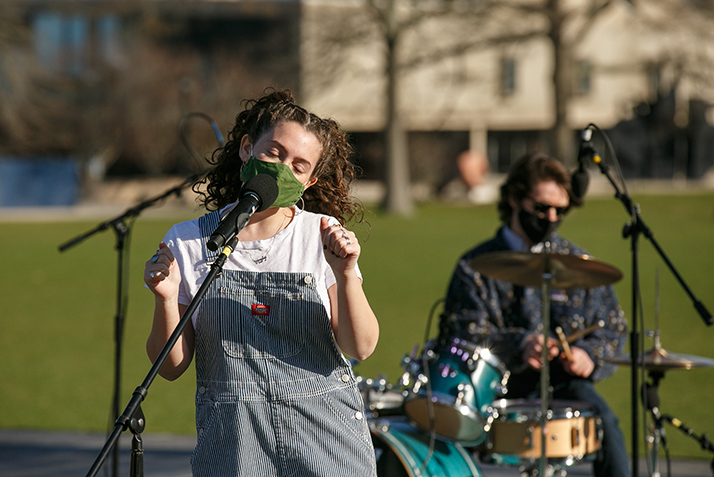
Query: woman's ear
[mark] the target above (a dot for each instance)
(246, 146)
(311, 182)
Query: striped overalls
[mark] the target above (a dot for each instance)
(274, 395)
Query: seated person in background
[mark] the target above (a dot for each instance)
(506, 318)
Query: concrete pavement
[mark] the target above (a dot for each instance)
(36, 453)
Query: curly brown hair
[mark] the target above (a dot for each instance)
(525, 174)
(334, 170)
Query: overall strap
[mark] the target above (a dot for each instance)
(207, 225)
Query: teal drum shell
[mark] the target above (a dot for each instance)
(404, 451)
(454, 389)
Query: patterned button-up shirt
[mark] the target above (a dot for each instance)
(502, 316)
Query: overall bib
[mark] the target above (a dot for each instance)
(274, 396)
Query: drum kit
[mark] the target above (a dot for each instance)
(451, 403)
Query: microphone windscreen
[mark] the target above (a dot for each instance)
(264, 187)
(579, 182)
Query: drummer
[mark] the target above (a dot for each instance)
(535, 198)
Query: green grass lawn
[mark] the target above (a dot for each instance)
(57, 309)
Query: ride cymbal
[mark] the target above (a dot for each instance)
(527, 269)
(659, 359)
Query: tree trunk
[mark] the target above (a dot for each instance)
(562, 142)
(398, 199)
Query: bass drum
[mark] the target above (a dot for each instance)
(403, 451)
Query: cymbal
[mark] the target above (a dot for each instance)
(526, 269)
(659, 359)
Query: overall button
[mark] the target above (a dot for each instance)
(345, 378)
(201, 390)
(308, 279)
(359, 415)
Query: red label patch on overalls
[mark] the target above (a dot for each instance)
(262, 310)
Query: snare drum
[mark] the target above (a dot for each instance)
(403, 451)
(454, 389)
(573, 432)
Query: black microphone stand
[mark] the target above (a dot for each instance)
(122, 230)
(633, 230)
(132, 417)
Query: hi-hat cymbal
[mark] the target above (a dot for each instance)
(659, 359)
(527, 269)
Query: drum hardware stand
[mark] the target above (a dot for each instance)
(650, 396)
(633, 230)
(658, 434)
(703, 439)
(550, 471)
(651, 399)
(132, 417)
(410, 365)
(426, 379)
(545, 391)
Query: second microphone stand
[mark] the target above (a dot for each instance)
(633, 230)
(122, 231)
(132, 416)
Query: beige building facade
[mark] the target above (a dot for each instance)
(508, 87)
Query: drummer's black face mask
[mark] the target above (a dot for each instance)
(536, 227)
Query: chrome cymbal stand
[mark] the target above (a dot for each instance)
(545, 391)
(657, 435)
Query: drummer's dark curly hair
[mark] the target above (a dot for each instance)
(525, 174)
(334, 171)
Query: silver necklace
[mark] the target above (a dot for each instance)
(263, 253)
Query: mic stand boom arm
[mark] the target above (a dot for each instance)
(140, 392)
(131, 212)
(647, 232)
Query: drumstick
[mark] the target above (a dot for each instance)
(564, 343)
(586, 331)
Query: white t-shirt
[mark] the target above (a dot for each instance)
(296, 248)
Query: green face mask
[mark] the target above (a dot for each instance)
(289, 188)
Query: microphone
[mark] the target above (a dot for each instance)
(257, 194)
(580, 179)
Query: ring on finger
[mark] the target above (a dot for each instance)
(154, 258)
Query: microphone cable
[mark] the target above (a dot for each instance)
(429, 394)
(182, 134)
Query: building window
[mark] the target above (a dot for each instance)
(583, 77)
(508, 76)
(654, 79)
(69, 44)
